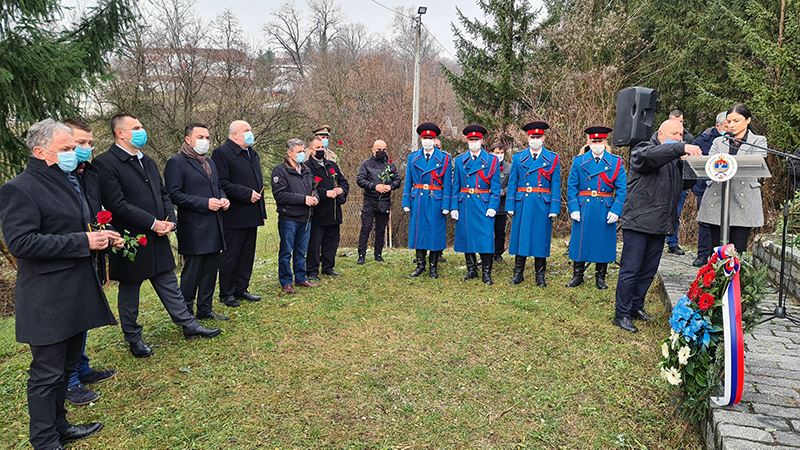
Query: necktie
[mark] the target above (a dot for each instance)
(75, 183)
(597, 159)
(535, 155)
(474, 157)
(427, 157)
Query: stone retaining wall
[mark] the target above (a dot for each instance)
(767, 249)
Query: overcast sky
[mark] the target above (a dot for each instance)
(253, 15)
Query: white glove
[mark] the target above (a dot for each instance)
(445, 211)
(490, 212)
(454, 214)
(552, 215)
(576, 216)
(406, 209)
(612, 217)
(510, 213)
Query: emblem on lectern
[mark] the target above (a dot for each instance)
(721, 167)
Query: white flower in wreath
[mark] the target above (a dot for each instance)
(683, 355)
(665, 350)
(674, 338)
(673, 376)
(664, 373)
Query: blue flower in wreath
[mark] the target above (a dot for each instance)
(681, 314)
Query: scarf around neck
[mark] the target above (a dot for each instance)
(187, 150)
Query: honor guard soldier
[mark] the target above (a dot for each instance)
(595, 195)
(426, 196)
(534, 198)
(475, 201)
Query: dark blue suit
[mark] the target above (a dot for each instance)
(427, 193)
(474, 230)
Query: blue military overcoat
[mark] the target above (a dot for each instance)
(476, 189)
(534, 192)
(427, 193)
(595, 189)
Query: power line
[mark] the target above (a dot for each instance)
(392, 9)
(430, 33)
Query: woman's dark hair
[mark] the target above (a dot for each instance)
(741, 108)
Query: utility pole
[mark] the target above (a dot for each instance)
(415, 118)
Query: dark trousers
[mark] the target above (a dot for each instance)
(47, 389)
(368, 216)
(83, 366)
(322, 246)
(166, 286)
(641, 254)
(198, 280)
(236, 262)
(499, 234)
(738, 236)
(703, 234)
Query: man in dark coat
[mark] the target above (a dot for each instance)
(499, 151)
(193, 185)
(240, 177)
(672, 240)
(58, 296)
(655, 182)
(332, 188)
(132, 190)
(86, 174)
(295, 196)
(378, 176)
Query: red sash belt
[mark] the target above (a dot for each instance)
(427, 187)
(530, 189)
(475, 191)
(595, 194)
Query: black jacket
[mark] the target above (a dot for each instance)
(655, 182)
(239, 176)
(290, 189)
(505, 171)
(45, 221)
(329, 210)
(369, 176)
(89, 179)
(704, 141)
(136, 197)
(190, 188)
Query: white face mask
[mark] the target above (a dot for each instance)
(500, 157)
(427, 144)
(201, 146)
(597, 149)
(474, 146)
(535, 144)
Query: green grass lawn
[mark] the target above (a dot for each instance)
(375, 359)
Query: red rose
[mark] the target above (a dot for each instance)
(714, 259)
(333, 171)
(709, 278)
(706, 301)
(317, 179)
(340, 142)
(142, 241)
(390, 160)
(103, 217)
(501, 168)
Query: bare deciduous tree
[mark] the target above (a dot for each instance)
(327, 18)
(288, 31)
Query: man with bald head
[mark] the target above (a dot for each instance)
(240, 178)
(378, 176)
(655, 183)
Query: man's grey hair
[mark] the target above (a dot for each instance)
(292, 143)
(721, 117)
(41, 134)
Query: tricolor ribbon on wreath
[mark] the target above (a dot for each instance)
(732, 330)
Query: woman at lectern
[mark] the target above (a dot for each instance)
(746, 211)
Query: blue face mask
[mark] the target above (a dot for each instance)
(670, 141)
(83, 153)
(67, 161)
(325, 142)
(300, 158)
(138, 138)
(249, 138)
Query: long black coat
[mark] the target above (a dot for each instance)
(239, 176)
(329, 210)
(89, 179)
(369, 176)
(190, 188)
(136, 197)
(45, 221)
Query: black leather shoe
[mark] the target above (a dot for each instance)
(700, 261)
(361, 260)
(230, 301)
(313, 277)
(676, 251)
(331, 273)
(640, 315)
(213, 315)
(140, 350)
(248, 296)
(625, 323)
(379, 258)
(202, 332)
(441, 259)
(79, 432)
(498, 258)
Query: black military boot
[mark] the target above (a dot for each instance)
(519, 269)
(487, 259)
(420, 263)
(434, 263)
(577, 274)
(600, 270)
(540, 267)
(472, 266)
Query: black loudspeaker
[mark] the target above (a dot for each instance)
(636, 107)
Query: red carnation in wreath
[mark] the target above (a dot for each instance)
(708, 278)
(706, 301)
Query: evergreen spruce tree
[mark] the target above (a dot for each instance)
(495, 57)
(45, 65)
